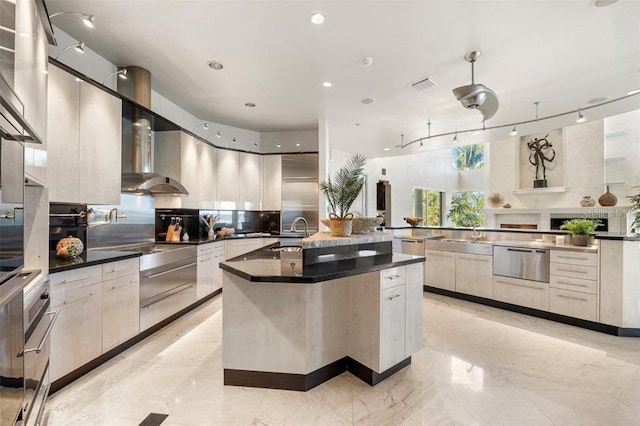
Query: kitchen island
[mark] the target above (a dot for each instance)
(294, 318)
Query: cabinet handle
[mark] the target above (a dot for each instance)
(572, 270)
(395, 296)
(78, 300)
(440, 255)
(393, 277)
(119, 270)
(206, 260)
(575, 285)
(114, 287)
(46, 334)
(520, 285)
(473, 258)
(167, 296)
(572, 298)
(572, 257)
(172, 270)
(77, 279)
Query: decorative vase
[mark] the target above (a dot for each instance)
(340, 226)
(607, 199)
(580, 240)
(69, 248)
(587, 201)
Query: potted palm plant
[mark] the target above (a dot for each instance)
(341, 192)
(580, 230)
(635, 207)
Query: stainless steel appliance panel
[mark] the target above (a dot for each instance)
(11, 207)
(412, 246)
(519, 262)
(156, 282)
(166, 305)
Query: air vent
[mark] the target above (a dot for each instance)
(425, 83)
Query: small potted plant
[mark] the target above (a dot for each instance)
(341, 192)
(635, 207)
(580, 230)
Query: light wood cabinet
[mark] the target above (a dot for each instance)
(205, 272)
(439, 269)
(84, 138)
(77, 336)
(414, 291)
(250, 189)
(235, 248)
(189, 173)
(272, 182)
(474, 274)
(573, 304)
(218, 256)
(392, 327)
(574, 284)
(206, 172)
(227, 177)
(120, 302)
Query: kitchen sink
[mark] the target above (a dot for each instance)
(460, 246)
(287, 249)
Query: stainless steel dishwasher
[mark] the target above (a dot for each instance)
(520, 262)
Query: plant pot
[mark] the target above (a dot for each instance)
(340, 226)
(580, 240)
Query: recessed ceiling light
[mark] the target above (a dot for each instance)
(367, 101)
(215, 65)
(297, 144)
(218, 135)
(278, 146)
(633, 92)
(356, 125)
(78, 79)
(327, 83)
(250, 105)
(597, 100)
(387, 149)
(317, 18)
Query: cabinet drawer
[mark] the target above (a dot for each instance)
(76, 278)
(573, 304)
(574, 284)
(574, 271)
(392, 277)
(120, 268)
(531, 294)
(205, 248)
(574, 258)
(392, 327)
(116, 284)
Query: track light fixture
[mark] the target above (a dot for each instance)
(455, 138)
(218, 135)
(121, 73)
(581, 118)
(234, 139)
(203, 125)
(79, 47)
(88, 20)
(514, 132)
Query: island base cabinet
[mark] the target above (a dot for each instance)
(392, 327)
(573, 304)
(120, 310)
(531, 294)
(77, 336)
(414, 298)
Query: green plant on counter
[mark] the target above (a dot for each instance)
(343, 190)
(580, 226)
(635, 204)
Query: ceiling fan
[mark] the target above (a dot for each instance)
(477, 96)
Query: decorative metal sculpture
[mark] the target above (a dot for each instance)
(540, 149)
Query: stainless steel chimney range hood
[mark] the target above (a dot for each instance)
(138, 127)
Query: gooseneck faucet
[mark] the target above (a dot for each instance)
(306, 225)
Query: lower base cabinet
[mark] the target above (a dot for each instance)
(573, 304)
(474, 274)
(120, 310)
(439, 269)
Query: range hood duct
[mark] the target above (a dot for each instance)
(137, 165)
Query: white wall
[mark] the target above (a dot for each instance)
(622, 147)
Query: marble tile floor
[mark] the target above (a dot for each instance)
(479, 366)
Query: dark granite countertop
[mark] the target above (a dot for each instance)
(513, 230)
(229, 238)
(266, 265)
(88, 258)
(616, 236)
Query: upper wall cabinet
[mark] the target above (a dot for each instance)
(84, 137)
(250, 191)
(272, 182)
(228, 173)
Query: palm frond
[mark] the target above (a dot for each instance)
(346, 185)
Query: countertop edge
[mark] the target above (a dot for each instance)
(114, 258)
(319, 278)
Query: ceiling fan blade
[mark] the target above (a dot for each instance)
(490, 105)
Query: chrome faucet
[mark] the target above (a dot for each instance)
(306, 226)
(476, 236)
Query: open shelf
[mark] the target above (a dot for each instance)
(549, 190)
(615, 158)
(614, 134)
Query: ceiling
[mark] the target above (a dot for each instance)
(559, 53)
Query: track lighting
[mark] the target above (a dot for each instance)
(514, 132)
(88, 20)
(122, 74)
(203, 125)
(581, 118)
(218, 135)
(79, 47)
(234, 139)
(455, 138)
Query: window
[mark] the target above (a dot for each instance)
(466, 209)
(427, 204)
(468, 157)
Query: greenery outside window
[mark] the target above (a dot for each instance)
(468, 157)
(466, 208)
(427, 204)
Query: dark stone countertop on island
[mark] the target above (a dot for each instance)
(267, 265)
(88, 258)
(616, 236)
